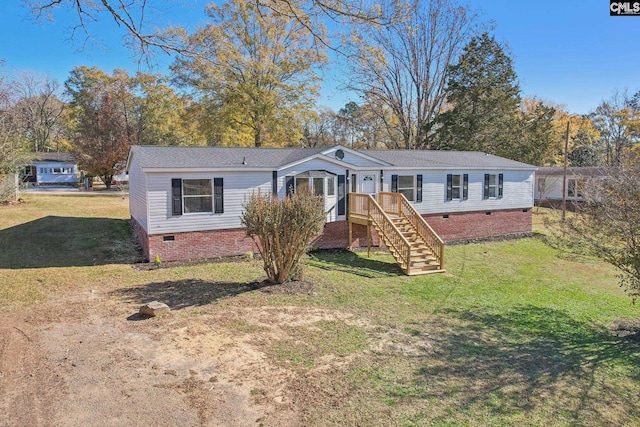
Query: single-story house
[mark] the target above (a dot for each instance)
(51, 169)
(549, 182)
(186, 202)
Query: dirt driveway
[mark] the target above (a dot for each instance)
(89, 360)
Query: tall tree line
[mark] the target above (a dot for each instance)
(427, 75)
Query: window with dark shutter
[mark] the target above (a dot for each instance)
(274, 183)
(342, 194)
(486, 186)
(449, 186)
(493, 184)
(218, 195)
(291, 186)
(176, 197)
(197, 196)
(465, 186)
(406, 185)
(419, 188)
(394, 183)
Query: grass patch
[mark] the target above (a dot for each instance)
(515, 333)
(304, 345)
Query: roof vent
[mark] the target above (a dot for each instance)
(339, 154)
(244, 160)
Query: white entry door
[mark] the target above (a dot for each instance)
(368, 184)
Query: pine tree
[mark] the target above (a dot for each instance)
(485, 96)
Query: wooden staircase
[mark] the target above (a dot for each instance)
(422, 259)
(415, 246)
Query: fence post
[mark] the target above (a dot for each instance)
(16, 185)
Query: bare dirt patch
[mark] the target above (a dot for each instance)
(79, 360)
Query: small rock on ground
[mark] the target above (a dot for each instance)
(154, 308)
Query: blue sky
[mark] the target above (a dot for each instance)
(568, 52)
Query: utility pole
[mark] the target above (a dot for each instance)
(564, 175)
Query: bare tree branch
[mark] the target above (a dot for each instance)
(403, 66)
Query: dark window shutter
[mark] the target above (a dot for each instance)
(449, 186)
(342, 194)
(381, 179)
(394, 183)
(465, 186)
(418, 188)
(218, 196)
(176, 196)
(486, 186)
(500, 185)
(274, 183)
(291, 186)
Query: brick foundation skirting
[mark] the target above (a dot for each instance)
(481, 224)
(219, 243)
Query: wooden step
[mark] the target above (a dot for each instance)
(426, 255)
(422, 259)
(416, 272)
(424, 265)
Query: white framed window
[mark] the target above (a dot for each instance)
(493, 185)
(407, 186)
(574, 188)
(457, 186)
(316, 185)
(197, 195)
(331, 187)
(303, 185)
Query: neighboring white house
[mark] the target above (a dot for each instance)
(186, 202)
(51, 169)
(549, 182)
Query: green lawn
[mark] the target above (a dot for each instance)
(514, 333)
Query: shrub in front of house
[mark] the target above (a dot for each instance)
(283, 229)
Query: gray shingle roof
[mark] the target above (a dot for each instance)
(219, 157)
(244, 157)
(444, 159)
(572, 170)
(52, 157)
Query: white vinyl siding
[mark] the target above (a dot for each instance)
(356, 160)
(137, 194)
(151, 193)
(56, 173)
(238, 187)
(518, 191)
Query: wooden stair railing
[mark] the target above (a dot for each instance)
(397, 204)
(365, 207)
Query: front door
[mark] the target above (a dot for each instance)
(368, 185)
